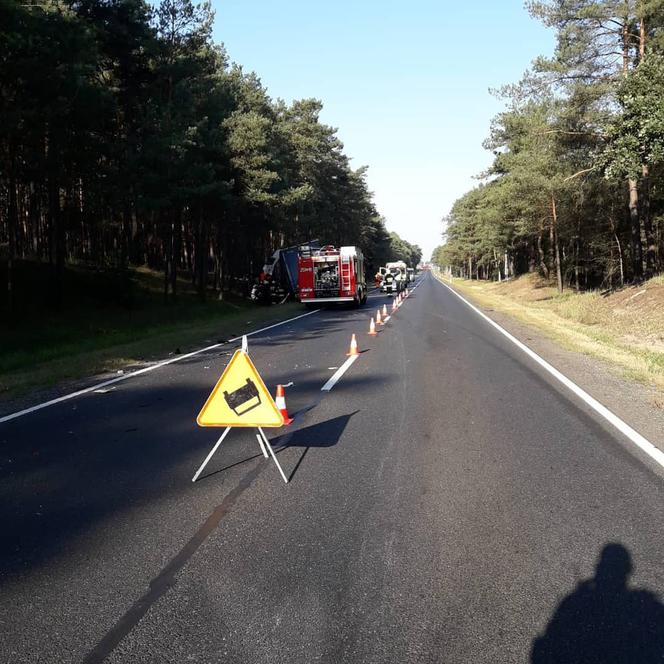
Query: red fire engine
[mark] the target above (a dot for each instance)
(332, 275)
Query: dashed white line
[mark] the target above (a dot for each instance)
(640, 441)
(338, 374)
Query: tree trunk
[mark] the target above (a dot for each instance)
(55, 225)
(12, 226)
(635, 222)
(175, 252)
(167, 253)
(540, 252)
(620, 260)
(652, 262)
(202, 252)
(56, 242)
(620, 251)
(577, 286)
(554, 241)
(635, 229)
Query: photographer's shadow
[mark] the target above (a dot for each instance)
(604, 621)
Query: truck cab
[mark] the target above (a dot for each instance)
(329, 275)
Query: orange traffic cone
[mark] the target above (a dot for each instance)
(281, 405)
(394, 305)
(372, 327)
(379, 320)
(354, 350)
(384, 310)
(407, 293)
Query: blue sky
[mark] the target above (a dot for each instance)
(406, 83)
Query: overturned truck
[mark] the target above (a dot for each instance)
(279, 276)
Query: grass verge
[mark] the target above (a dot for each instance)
(624, 328)
(97, 333)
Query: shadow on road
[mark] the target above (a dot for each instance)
(323, 434)
(604, 621)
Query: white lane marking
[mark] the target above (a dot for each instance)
(338, 374)
(334, 379)
(640, 441)
(152, 367)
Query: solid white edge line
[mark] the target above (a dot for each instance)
(152, 367)
(338, 374)
(138, 372)
(640, 441)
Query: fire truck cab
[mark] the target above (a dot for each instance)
(332, 275)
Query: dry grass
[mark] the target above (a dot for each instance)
(624, 328)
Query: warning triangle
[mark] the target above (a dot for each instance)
(240, 398)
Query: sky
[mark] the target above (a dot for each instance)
(406, 84)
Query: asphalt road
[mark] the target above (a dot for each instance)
(448, 503)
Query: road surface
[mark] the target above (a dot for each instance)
(449, 502)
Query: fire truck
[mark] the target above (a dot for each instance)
(332, 275)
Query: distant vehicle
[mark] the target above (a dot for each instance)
(411, 274)
(401, 265)
(394, 282)
(380, 275)
(389, 284)
(332, 275)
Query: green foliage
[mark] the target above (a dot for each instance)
(635, 136)
(128, 139)
(576, 185)
(400, 250)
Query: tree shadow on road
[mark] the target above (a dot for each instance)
(604, 621)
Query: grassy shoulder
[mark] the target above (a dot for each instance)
(106, 325)
(625, 328)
